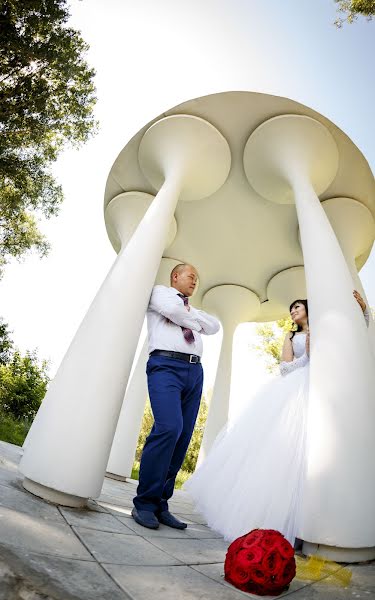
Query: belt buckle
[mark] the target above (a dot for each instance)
(194, 362)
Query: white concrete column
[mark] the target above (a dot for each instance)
(233, 305)
(66, 458)
(124, 444)
(123, 215)
(295, 158)
(354, 227)
(129, 424)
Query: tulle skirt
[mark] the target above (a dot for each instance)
(253, 476)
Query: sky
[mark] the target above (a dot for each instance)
(150, 56)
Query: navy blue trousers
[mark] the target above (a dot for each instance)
(175, 390)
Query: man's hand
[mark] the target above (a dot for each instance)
(360, 300)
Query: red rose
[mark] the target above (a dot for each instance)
(251, 555)
(270, 541)
(273, 561)
(236, 545)
(286, 549)
(239, 576)
(258, 576)
(289, 570)
(252, 538)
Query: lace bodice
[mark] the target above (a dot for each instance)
(300, 357)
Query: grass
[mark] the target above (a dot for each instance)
(13, 431)
(182, 476)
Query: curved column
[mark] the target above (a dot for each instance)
(124, 444)
(129, 424)
(232, 304)
(294, 158)
(67, 456)
(127, 208)
(354, 227)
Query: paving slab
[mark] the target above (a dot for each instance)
(100, 521)
(197, 531)
(192, 552)
(20, 500)
(363, 577)
(10, 452)
(116, 509)
(36, 576)
(182, 507)
(10, 477)
(191, 518)
(169, 583)
(320, 591)
(46, 536)
(116, 500)
(118, 548)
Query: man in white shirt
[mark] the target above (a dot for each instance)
(175, 379)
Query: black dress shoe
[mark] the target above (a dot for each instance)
(145, 518)
(166, 518)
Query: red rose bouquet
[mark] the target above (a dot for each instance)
(260, 562)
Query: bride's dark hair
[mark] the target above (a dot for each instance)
(304, 302)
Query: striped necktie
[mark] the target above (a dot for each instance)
(188, 334)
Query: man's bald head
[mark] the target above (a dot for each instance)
(184, 278)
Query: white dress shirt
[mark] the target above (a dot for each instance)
(166, 314)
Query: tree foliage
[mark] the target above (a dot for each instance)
(47, 96)
(6, 344)
(351, 9)
(271, 338)
(23, 384)
(196, 439)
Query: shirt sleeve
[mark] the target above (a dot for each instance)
(208, 323)
(171, 307)
(297, 363)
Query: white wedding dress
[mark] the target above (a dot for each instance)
(253, 476)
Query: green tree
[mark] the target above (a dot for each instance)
(23, 384)
(6, 344)
(271, 338)
(195, 442)
(191, 457)
(47, 97)
(351, 9)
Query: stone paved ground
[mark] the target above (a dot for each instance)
(50, 552)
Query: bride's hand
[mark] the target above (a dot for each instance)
(360, 300)
(308, 342)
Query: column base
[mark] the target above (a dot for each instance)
(115, 476)
(54, 496)
(337, 554)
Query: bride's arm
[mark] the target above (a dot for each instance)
(362, 304)
(287, 351)
(288, 362)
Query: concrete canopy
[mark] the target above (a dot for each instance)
(235, 236)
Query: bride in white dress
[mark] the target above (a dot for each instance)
(253, 475)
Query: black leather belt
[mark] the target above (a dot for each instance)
(190, 358)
